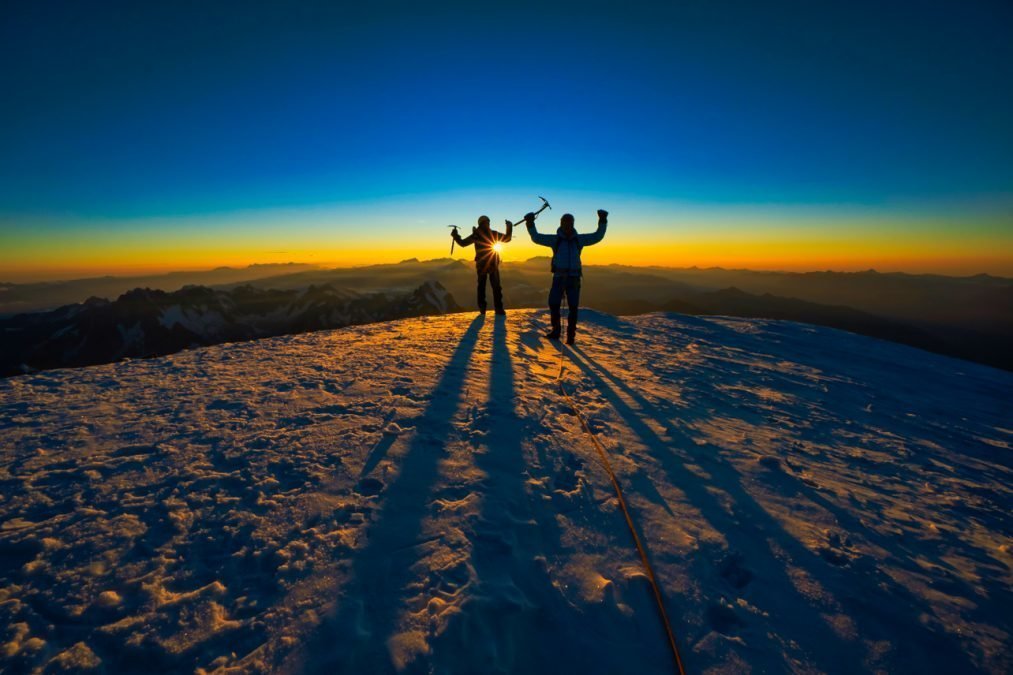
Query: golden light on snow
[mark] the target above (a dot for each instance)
(468, 481)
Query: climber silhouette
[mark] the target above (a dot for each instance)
(566, 246)
(487, 243)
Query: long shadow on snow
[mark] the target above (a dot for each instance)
(600, 640)
(355, 638)
(899, 618)
(516, 620)
(639, 480)
(749, 534)
(499, 626)
(377, 452)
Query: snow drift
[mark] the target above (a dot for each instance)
(414, 496)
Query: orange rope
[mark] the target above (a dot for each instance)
(659, 601)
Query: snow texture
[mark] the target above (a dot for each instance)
(415, 496)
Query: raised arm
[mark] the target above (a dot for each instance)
(599, 234)
(466, 241)
(509, 232)
(536, 237)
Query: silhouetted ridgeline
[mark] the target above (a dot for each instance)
(967, 317)
(43, 295)
(145, 322)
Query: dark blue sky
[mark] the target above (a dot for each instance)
(139, 110)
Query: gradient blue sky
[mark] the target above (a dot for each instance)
(278, 122)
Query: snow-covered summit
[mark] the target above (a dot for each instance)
(416, 496)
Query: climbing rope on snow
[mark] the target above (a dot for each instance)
(648, 569)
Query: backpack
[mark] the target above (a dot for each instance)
(555, 248)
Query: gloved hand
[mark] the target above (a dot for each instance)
(603, 214)
(529, 219)
(508, 223)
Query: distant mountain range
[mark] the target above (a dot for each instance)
(967, 317)
(145, 322)
(38, 296)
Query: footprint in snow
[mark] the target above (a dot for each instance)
(227, 463)
(370, 487)
(734, 571)
(834, 557)
(222, 404)
(836, 551)
(723, 619)
(454, 577)
(567, 478)
(136, 451)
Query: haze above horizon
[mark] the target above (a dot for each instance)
(294, 267)
(139, 138)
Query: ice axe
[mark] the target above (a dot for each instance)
(545, 205)
(452, 241)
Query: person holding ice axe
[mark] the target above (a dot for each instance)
(566, 246)
(488, 245)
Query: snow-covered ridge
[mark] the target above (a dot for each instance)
(145, 322)
(414, 496)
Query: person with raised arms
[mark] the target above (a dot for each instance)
(488, 243)
(566, 247)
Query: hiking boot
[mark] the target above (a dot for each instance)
(557, 323)
(500, 312)
(569, 339)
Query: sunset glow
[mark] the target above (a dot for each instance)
(676, 235)
(708, 139)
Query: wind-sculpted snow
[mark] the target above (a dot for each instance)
(415, 496)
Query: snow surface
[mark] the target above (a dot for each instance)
(416, 496)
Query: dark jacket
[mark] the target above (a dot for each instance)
(566, 251)
(484, 238)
